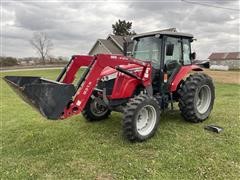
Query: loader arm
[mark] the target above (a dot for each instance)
(92, 75)
(61, 98)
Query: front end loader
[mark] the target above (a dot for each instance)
(140, 86)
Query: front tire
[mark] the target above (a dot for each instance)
(94, 111)
(196, 97)
(141, 118)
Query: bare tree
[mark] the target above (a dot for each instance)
(42, 44)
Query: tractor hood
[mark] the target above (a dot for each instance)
(108, 70)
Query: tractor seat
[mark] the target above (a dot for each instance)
(170, 66)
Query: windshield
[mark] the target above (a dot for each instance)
(148, 49)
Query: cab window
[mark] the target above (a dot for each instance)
(176, 54)
(186, 51)
(148, 49)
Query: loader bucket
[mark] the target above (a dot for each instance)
(48, 97)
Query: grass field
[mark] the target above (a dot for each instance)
(36, 148)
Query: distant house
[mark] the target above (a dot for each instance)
(111, 45)
(27, 61)
(225, 59)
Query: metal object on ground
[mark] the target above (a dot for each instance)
(213, 128)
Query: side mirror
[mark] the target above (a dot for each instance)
(169, 49)
(193, 55)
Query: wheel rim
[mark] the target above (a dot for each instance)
(98, 109)
(203, 99)
(146, 120)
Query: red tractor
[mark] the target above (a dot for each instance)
(140, 86)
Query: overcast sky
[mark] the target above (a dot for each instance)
(74, 26)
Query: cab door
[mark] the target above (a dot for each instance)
(177, 53)
(173, 58)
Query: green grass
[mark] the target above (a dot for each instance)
(36, 148)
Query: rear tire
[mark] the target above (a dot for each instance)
(95, 112)
(141, 118)
(196, 97)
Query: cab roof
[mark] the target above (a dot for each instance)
(171, 33)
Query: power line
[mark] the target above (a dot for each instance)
(210, 5)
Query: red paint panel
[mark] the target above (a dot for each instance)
(124, 86)
(184, 70)
(76, 64)
(101, 62)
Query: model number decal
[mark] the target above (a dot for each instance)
(87, 88)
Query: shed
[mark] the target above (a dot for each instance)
(228, 59)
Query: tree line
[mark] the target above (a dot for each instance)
(12, 61)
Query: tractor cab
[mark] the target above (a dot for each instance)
(166, 50)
